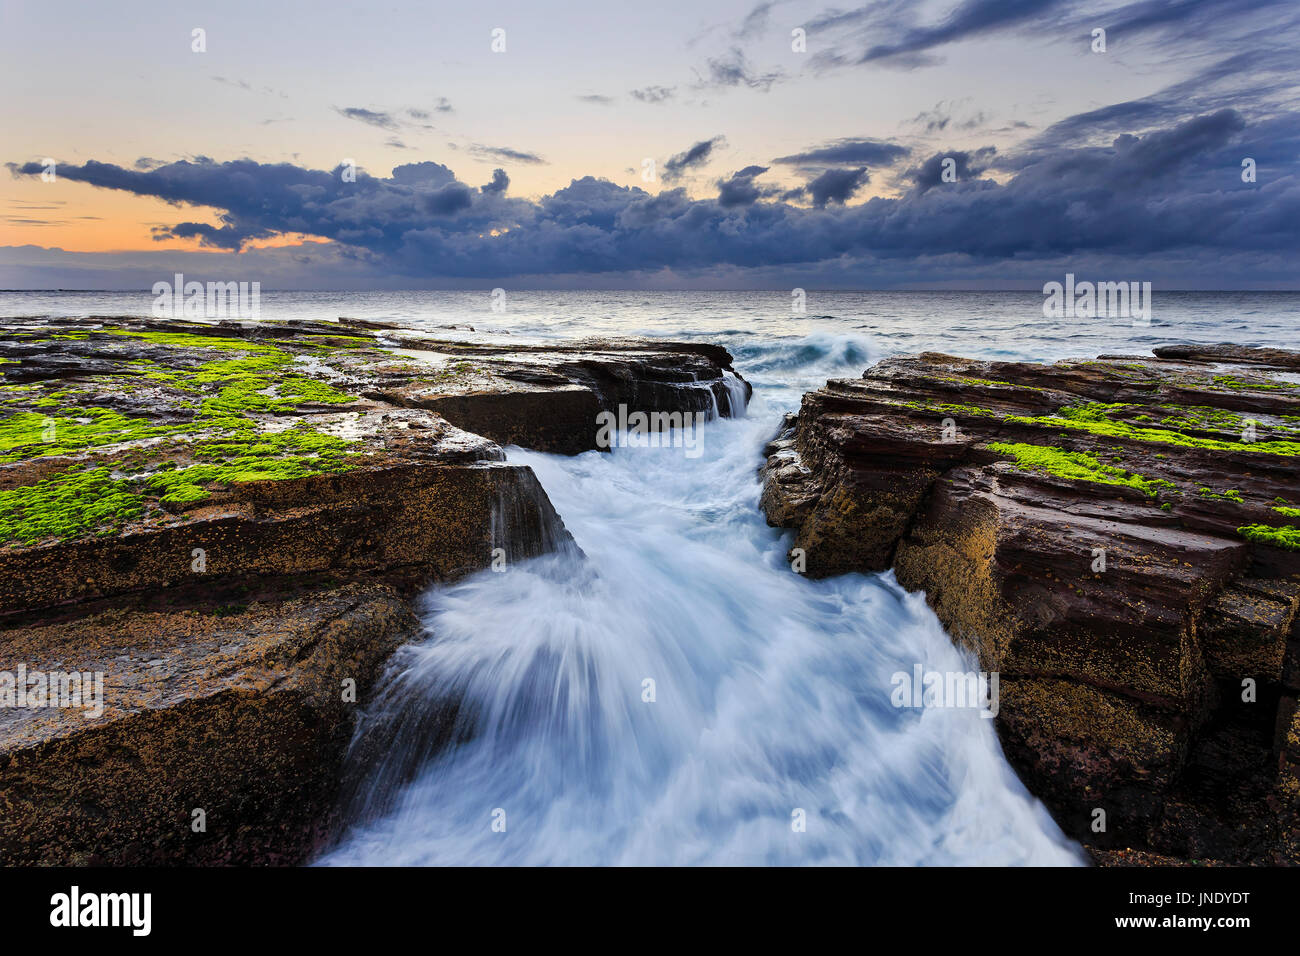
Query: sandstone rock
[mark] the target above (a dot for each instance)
(1117, 538)
(240, 715)
(201, 513)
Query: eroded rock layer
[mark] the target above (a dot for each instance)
(222, 732)
(1119, 539)
(223, 523)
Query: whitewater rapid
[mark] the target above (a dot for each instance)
(771, 692)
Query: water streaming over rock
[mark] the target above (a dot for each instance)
(673, 693)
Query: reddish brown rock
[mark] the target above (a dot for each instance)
(1076, 525)
(241, 714)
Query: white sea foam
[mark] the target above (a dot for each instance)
(772, 695)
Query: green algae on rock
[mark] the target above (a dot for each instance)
(229, 435)
(66, 505)
(1279, 536)
(1078, 466)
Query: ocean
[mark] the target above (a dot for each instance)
(766, 733)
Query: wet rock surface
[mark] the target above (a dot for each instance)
(221, 736)
(1119, 539)
(226, 522)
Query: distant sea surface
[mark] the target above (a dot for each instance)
(772, 344)
(984, 324)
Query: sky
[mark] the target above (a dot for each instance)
(702, 144)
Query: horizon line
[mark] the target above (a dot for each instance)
(780, 290)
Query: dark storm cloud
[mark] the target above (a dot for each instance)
(697, 155)
(893, 31)
(869, 151)
(1133, 114)
(1272, 91)
(1187, 18)
(740, 189)
(426, 172)
(836, 185)
(970, 18)
(500, 182)
(1173, 192)
(260, 200)
(964, 165)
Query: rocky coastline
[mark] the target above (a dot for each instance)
(226, 522)
(1119, 539)
(227, 525)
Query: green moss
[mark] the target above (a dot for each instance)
(1092, 418)
(299, 389)
(66, 505)
(1091, 412)
(949, 408)
(188, 341)
(261, 383)
(1232, 494)
(226, 441)
(1235, 384)
(30, 435)
(1287, 512)
(293, 453)
(1077, 466)
(1284, 536)
(1200, 416)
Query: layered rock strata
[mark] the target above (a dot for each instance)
(1119, 539)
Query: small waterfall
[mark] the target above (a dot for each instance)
(524, 523)
(734, 391)
(417, 713)
(737, 394)
(714, 411)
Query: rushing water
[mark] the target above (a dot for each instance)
(771, 691)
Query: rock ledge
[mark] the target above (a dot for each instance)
(1119, 539)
